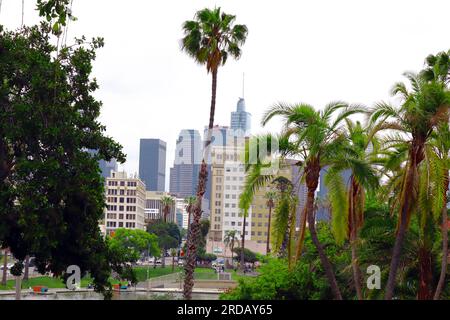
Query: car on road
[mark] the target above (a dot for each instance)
(218, 263)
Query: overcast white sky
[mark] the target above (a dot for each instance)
(309, 51)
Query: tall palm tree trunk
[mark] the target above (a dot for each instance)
(27, 266)
(408, 197)
(324, 259)
(5, 267)
(444, 227)
(353, 237)
(312, 171)
(268, 231)
(425, 273)
(302, 231)
(189, 222)
(243, 244)
(201, 188)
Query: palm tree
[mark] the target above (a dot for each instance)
(209, 40)
(363, 146)
(423, 107)
(283, 214)
(318, 140)
(230, 240)
(270, 196)
(167, 203)
(438, 68)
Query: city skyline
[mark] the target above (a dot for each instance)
(320, 64)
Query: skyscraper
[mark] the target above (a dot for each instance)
(241, 120)
(188, 157)
(152, 164)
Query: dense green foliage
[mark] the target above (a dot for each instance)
(169, 235)
(127, 246)
(249, 256)
(307, 280)
(51, 190)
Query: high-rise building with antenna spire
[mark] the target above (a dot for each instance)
(241, 120)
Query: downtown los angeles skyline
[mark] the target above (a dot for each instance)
(323, 52)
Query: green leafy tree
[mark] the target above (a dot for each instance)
(169, 236)
(249, 256)
(57, 12)
(127, 246)
(51, 190)
(209, 39)
(131, 244)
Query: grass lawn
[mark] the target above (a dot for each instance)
(207, 273)
(141, 273)
(51, 282)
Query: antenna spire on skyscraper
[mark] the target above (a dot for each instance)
(243, 85)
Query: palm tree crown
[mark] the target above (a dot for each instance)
(212, 37)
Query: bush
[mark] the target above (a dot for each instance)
(249, 256)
